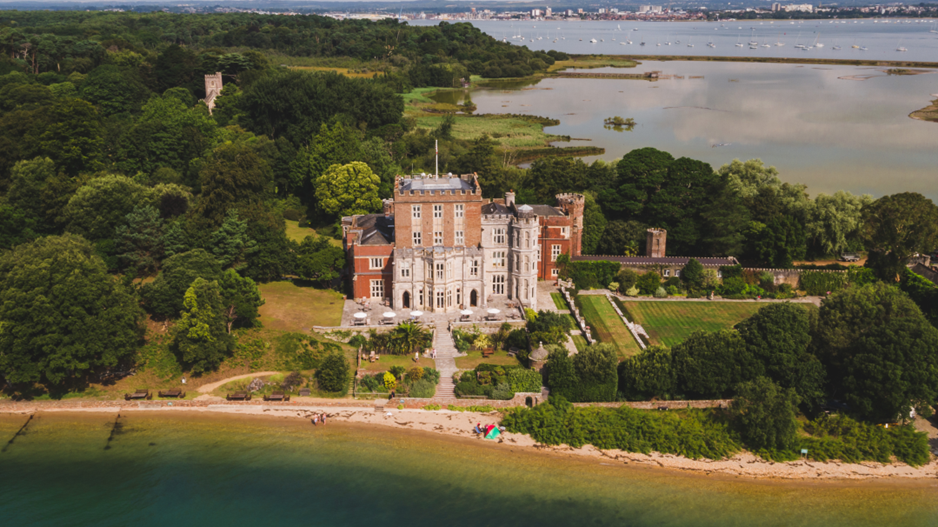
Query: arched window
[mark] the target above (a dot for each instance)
(527, 239)
(527, 263)
(405, 299)
(473, 298)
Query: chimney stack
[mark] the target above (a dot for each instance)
(509, 198)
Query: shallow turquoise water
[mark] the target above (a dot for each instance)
(207, 470)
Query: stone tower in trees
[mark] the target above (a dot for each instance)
(655, 243)
(212, 90)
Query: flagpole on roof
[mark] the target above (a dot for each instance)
(436, 148)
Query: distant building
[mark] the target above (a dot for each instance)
(440, 246)
(803, 8)
(776, 6)
(536, 13)
(213, 87)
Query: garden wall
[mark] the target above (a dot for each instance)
(520, 399)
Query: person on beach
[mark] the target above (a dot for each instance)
(323, 418)
(315, 420)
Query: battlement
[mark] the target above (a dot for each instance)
(213, 86)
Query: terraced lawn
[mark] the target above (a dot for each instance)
(606, 325)
(559, 301)
(669, 323)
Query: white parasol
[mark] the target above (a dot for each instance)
(494, 311)
(360, 315)
(416, 313)
(390, 314)
(466, 312)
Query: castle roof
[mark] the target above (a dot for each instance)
(667, 260)
(377, 229)
(442, 183)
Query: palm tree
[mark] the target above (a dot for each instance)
(407, 337)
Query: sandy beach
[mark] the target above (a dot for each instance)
(460, 424)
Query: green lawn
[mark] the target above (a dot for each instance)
(474, 358)
(580, 342)
(559, 301)
(289, 307)
(606, 325)
(669, 323)
(298, 234)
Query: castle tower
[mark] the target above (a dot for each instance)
(655, 243)
(523, 257)
(213, 87)
(573, 206)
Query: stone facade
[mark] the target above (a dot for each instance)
(440, 246)
(213, 86)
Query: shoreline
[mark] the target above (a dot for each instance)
(770, 60)
(454, 424)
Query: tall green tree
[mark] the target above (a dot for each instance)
(834, 222)
(114, 90)
(317, 259)
(230, 243)
(765, 415)
(235, 177)
(199, 338)
(897, 227)
(164, 296)
(334, 373)
(594, 225)
(240, 299)
(709, 365)
(335, 145)
(648, 374)
(101, 205)
(879, 351)
(140, 240)
(344, 190)
(779, 336)
(62, 316)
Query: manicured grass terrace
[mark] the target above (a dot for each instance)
(606, 325)
(559, 301)
(670, 322)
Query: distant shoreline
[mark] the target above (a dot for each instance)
(771, 60)
(459, 425)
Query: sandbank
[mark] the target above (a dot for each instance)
(460, 424)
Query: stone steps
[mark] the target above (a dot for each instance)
(445, 361)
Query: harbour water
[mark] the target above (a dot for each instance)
(830, 127)
(171, 469)
(874, 39)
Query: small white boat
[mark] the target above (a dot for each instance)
(592, 41)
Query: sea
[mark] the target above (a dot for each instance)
(874, 39)
(176, 469)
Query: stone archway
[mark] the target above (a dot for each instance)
(473, 298)
(405, 300)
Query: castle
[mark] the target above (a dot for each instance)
(212, 90)
(440, 246)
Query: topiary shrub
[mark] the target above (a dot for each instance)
(660, 292)
(390, 382)
(632, 291)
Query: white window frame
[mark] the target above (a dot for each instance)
(437, 238)
(376, 263)
(405, 270)
(667, 273)
(498, 236)
(498, 259)
(555, 272)
(565, 231)
(377, 288)
(440, 298)
(498, 284)
(418, 238)
(460, 237)
(449, 270)
(415, 212)
(474, 268)
(554, 252)
(437, 212)
(439, 271)
(677, 273)
(460, 210)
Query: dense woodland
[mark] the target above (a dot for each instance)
(122, 198)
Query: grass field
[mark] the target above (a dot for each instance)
(669, 323)
(559, 301)
(607, 326)
(340, 71)
(289, 307)
(297, 233)
(474, 358)
(508, 131)
(580, 342)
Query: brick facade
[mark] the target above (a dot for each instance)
(447, 248)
